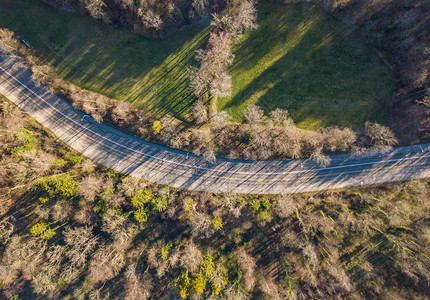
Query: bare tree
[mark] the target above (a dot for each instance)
(212, 76)
(378, 136)
(191, 257)
(336, 139)
(254, 114)
(222, 117)
(237, 18)
(269, 289)
(8, 40)
(61, 211)
(247, 265)
(199, 112)
(105, 264)
(42, 162)
(90, 187)
(96, 9)
(201, 225)
(137, 286)
(279, 116)
(81, 243)
(320, 158)
(6, 229)
(130, 185)
(150, 19)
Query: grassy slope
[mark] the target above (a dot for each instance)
(307, 62)
(299, 59)
(151, 73)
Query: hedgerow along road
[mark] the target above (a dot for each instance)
(152, 162)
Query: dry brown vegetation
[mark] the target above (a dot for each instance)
(61, 238)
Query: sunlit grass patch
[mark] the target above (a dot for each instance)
(304, 60)
(299, 59)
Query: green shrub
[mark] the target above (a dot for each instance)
(241, 201)
(42, 231)
(25, 137)
(255, 204)
(75, 159)
(141, 215)
(59, 163)
(247, 136)
(265, 204)
(183, 285)
(207, 267)
(199, 284)
(159, 204)
(157, 126)
(189, 204)
(165, 250)
(217, 223)
(141, 197)
(264, 216)
(58, 186)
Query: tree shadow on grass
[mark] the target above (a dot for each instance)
(313, 66)
(151, 73)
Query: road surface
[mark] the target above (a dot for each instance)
(130, 155)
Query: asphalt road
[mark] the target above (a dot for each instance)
(155, 163)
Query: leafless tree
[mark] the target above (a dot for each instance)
(191, 257)
(254, 114)
(199, 112)
(221, 85)
(247, 265)
(96, 9)
(90, 187)
(320, 158)
(81, 243)
(212, 75)
(150, 19)
(222, 117)
(279, 116)
(137, 286)
(201, 225)
(42, 162)
(336, 139)
(6, 229)
(285, 206)
(378, 136)
(21, 256)
(239, 17)
(121, 111)
(130, 185)
(85, 215)
(8, 40)
(269, 288)
(120, 227)
(10, 118)
(61, 211)
(105, 264)
(209, 154)
(201, 6)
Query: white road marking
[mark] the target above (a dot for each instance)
(204, 168)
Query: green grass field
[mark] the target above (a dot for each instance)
(150, 73)
(304, 60)
(299, 58)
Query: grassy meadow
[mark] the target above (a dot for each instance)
(299, 59)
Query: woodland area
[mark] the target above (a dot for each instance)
(71, 229)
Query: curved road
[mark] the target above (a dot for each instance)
(155, 163)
